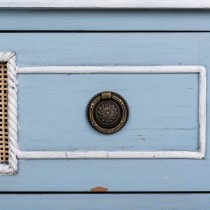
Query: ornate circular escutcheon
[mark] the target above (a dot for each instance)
(107, 112)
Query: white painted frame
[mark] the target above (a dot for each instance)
(200, 154)
(15, 153)
(11, 167)
(108, 4)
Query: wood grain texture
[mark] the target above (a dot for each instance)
(104, 202)
(109, 49)
(69, 49)
(163, 112)
(104, 20)
(134, 4)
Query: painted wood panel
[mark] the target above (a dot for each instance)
(104, 20)
(163, 112)
(104, 201)
(66, 49)
(109, 49)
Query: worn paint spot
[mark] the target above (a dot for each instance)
(99, 189)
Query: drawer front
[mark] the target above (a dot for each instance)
(164, 106)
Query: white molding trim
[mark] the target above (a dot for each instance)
(110, 69)
(117, 4)
(200, 154)
(109, 155)
(11, 167)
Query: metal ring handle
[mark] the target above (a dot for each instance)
(107, 112)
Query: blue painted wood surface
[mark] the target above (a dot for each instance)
(35, 49)
(123, 20)
(104, 201)
(109, 49)
(163, 112)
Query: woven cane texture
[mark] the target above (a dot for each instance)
(4, 148)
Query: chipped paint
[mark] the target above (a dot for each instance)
(99, 189)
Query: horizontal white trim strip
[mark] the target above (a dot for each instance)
(119, 4)
(107, 155)
(109, 69)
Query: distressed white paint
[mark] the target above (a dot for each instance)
(106, 154)
(11, 167)
(133, 4)
(200, 154)
(202, 112)
(110, 69)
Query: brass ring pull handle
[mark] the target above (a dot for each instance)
(107, 112)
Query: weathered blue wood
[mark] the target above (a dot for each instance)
(163, 112)
(109, 49)
(34, 49)
(124, 20)
(104, 202)
(116, 175)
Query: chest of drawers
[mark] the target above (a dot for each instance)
(145, 132)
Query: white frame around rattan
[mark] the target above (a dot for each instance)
(11, 167)
(15, 153)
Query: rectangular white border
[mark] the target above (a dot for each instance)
(117, 4)
(200, 154)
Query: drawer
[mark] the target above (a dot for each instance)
(162, 76)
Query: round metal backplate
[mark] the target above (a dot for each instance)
(107, 112)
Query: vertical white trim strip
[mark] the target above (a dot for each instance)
(202, 111)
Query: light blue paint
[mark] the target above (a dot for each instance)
(124, 20)
(34, 49)
(116, 175)
(111, 49)
(163, 112)
(104, 202)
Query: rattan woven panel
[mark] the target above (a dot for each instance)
(4, 153)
